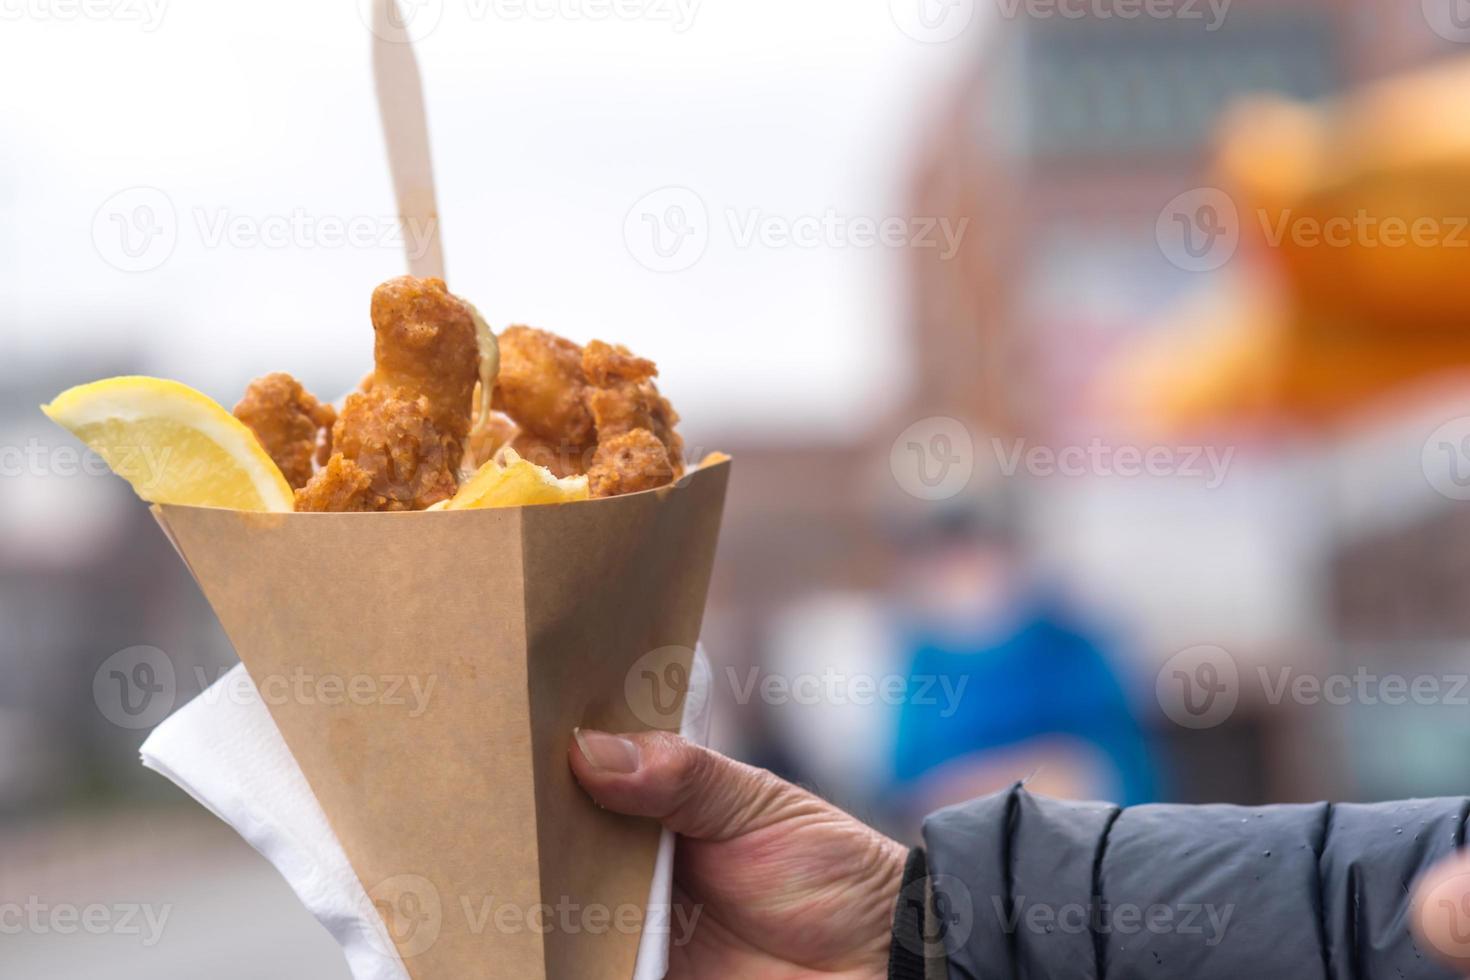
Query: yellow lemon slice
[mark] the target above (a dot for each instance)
(173, 444)
(509, 481)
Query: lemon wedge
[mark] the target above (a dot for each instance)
(510, 481)
(173, 444)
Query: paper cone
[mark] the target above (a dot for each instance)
(426, 671)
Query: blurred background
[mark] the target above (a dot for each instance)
(1095, 372)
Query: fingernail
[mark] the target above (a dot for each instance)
(609, 753)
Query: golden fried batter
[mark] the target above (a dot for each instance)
(540, 386)
(622, 397)
(289, 423)
(341, 485)
(629, 463)
(406, 430)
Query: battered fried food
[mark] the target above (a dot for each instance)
(582, 409)
(292, 426)
(629, 463)
(541, 387)
(622, 398)
(341, 485)
(406, 432)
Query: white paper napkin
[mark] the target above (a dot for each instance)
(224, 750)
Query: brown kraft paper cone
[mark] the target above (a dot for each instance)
(427, 670)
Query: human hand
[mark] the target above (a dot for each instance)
(785, 885)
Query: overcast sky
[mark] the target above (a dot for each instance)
(177, 176)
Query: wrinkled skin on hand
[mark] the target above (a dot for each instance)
(778, 883)
(405, 433)
(292, 426)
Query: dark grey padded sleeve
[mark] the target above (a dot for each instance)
(1027, 888)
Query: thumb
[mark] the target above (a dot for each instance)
(690, 789)
(1442, 911)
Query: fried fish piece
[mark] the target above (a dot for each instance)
(629, 463)
(541, 387)
(407, 430)
(339, 486)
(622, 398)
(292, 426)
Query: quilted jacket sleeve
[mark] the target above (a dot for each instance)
(1017, 886)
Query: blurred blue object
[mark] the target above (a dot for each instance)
(1040, 673)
